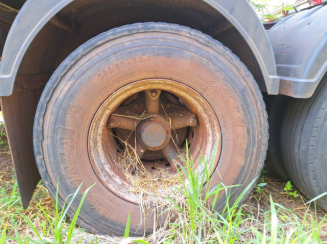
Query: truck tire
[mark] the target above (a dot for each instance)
(79, 127)
(304, 143)
(276, 107)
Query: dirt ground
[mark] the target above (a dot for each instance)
(6, 166)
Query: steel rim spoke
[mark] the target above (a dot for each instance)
(171, 154)
(152, 101)
(122, 122)
(182, 119)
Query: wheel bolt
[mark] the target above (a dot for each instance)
(193, 122)
(153, 93)
(113, 123)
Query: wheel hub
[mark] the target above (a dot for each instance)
(145, 129)
(153, 133)
(165, 115)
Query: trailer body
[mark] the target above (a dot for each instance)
(227, 49)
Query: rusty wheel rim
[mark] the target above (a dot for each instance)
(155, 117)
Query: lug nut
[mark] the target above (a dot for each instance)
(153, 93)
(112, 123)
(193, 122)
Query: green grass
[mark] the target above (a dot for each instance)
(195, 220)
(197, 223)
(57, 229)
(11, 208)
(2, 133)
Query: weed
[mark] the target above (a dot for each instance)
(3, 235)
(261, 183)
(195, 220)
(289, 189)
(259, 188)
(3, 134)
(11, 208)
(55, 227)
(127, 239)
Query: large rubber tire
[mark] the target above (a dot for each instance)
(304, 143)
(276, 107)
(75, 92)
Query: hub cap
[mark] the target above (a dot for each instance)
(153, 133)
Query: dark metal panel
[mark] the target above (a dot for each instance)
(35, 14)
(19, 111)
(30, 82)
(300, 47)
(4, 29)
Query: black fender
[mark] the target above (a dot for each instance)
(35, 14)
(300, 47)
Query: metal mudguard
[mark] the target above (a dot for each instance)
(35, 14)
(300, 47)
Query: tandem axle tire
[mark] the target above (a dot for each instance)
(304, 143)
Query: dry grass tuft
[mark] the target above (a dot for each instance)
(152, 186)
